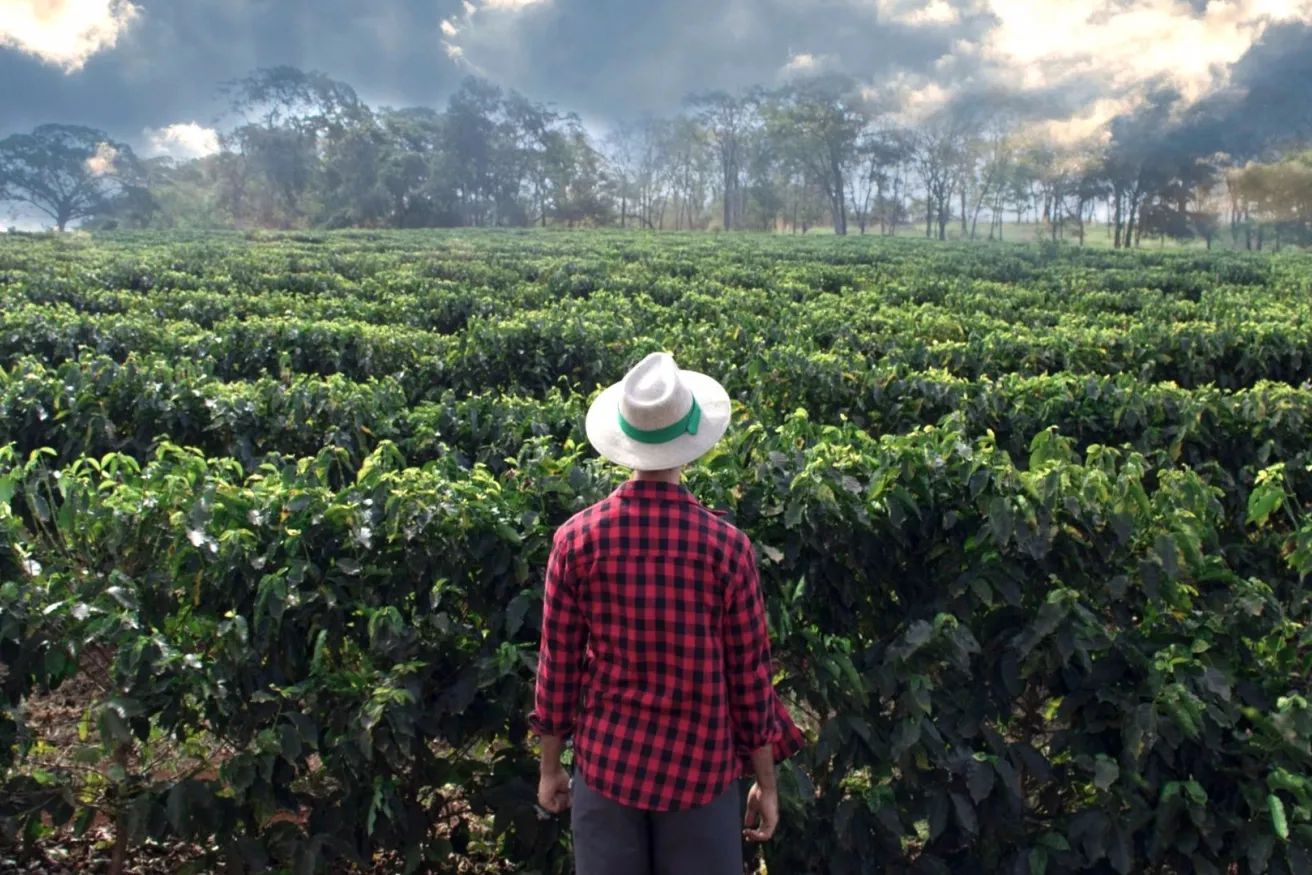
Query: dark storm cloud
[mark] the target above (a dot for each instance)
(603, 58)
(1268, 98)
(1264, 106)
(169, 63)
(611, 59)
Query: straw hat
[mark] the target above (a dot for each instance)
(658, 416)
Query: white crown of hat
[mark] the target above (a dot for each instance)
(655, 396)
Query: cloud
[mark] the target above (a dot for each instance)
(183, 141)
(807, 64)
(64, 33)
(1043, 43)
(611, 61)
(1070, 67)
(1090, 126)
(919, 13)
(913, 98)
(803, 62)
(102, 163)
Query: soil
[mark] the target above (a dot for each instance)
(64, 854)
(55, 718)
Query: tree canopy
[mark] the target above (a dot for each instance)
(299, 149)
(68, 172)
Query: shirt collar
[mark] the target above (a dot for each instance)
(655, 490)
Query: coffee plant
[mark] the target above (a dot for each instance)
(1032, 523)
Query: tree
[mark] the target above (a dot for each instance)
(1277, 193)
(728, 121)
(997, 149)
(822, 120)
(409, 172)
(288, 120)
(66, 172)
(879, 152)
(939, 154)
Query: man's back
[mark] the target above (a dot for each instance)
(676, 679)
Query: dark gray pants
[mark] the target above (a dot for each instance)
(612, 839)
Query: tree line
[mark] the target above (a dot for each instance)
(301, 150)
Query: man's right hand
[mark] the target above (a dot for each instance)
(762, 813)
(553, 790)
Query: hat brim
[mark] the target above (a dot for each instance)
(606, 437)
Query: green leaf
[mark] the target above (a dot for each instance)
(1259, 853)
(177, 807)
(1169, 554)
(938, 814)
(1001, 521)
(1119, 852)
(113, 725)
(515, 612)
(1038, 860)
(979, 780)
(966, 815)
(1279, 822)
(1105, 773)
(1265, 499)
(290, 743)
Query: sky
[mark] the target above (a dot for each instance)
(148, 71)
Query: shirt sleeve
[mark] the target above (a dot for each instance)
(561, 653)
(747, 660)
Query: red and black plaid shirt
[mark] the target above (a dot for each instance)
(654, 653)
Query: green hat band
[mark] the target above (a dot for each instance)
(687, 425)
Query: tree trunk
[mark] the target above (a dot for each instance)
(839, 201)
(963, 209)
(728, 198)
(119, 856)
(1118, 219)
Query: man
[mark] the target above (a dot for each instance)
(654, 653)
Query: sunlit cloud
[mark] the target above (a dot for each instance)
(913, 99)
(918, 12)
(1086, 128)
(102, 163)
(65, 33)
(806, 63)
(1047, 44)
(499, 10)
(183, 141)
(1111, 53)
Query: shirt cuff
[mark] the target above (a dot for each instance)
(786, 739)
(555, 728)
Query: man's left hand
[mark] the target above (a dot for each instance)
(553, 790)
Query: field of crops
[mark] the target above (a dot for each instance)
(1033, 528)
